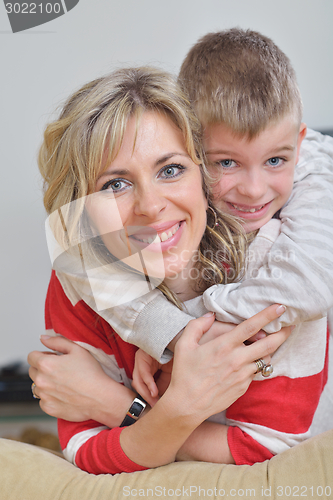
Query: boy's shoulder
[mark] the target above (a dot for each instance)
(316, 155)
(270, 230)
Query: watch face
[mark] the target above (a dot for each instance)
(134, 412)
(137, 408)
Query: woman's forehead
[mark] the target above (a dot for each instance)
(147, 129)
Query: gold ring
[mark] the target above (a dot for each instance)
(33, 387)
(260, 364)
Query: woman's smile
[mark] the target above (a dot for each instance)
(161, 240)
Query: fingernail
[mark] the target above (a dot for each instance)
(208, 315)
(292, 327)
(281, 309)
(44, 337)
(261, 335)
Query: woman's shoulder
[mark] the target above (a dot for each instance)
(69, 315)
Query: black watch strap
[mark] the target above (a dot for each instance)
(134, 411)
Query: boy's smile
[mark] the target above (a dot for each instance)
(257, 174)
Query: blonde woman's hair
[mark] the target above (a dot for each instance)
(242, 79)
(87, 137)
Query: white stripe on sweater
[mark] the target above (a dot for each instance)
(75, 443)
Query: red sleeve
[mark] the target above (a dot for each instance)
(244, 449)
(90, 445)
(95, 448)
(75, 321)
(284, 405)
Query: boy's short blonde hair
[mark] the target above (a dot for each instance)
(242, 79)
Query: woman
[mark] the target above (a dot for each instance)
(123, 165)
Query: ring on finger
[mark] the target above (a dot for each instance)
(33, 387)
(260, 364)
(267, 371)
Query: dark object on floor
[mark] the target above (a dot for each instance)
(15, 383)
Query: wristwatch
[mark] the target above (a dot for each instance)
(134, 411)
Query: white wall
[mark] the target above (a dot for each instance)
(41, 66)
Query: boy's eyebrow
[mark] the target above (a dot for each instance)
(287, 147)
(218, 151)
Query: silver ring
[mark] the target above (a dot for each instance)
(267, 370)
(260, 364)
(33, 387)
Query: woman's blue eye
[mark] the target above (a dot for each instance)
(275, 161)
(115, 185)
(227, 163)
(171, 171)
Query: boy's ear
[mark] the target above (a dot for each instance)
(301, 135)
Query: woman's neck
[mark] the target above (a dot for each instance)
(183, 285)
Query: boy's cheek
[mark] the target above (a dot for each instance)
(219, 201)
(217, 194)
(220, 190)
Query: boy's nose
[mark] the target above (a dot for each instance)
(253, 186)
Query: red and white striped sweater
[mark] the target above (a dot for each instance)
(279, 406)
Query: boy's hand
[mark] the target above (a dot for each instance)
(218, 328)
(143, 376)
(164, 377)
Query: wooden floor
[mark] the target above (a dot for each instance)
(16, 418)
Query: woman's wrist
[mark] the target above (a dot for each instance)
(134, 412)
(111, 408)
(154, 440)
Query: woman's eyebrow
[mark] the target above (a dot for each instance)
(167, 157)
(160, 161)
(113, 172)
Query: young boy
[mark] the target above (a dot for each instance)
(246, 96)
(245, 93)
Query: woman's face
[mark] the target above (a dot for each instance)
(149, 201)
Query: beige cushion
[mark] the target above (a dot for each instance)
(30, 473)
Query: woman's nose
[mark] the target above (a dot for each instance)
(149, 201)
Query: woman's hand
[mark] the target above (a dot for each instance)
(205, 380)
(221, 369)
(73, 386)
(218, 328)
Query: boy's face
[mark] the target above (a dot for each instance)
(257, 174)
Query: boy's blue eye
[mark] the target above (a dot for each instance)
(275, 161)
(227, 163)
